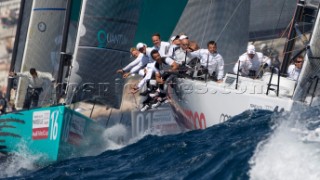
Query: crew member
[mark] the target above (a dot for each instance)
(295, 69)
(211, 60)
(35, 84)
(251, 63)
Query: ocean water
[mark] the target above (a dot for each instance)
(255, 145)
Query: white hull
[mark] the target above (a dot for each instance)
(198, 105)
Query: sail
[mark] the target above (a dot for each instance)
(225, 22)
(21, 34)
(269, 19)
(20, 40)
(308, 87)
(105, 34)
(43, 43)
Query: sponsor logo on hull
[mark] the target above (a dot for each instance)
(197, 119)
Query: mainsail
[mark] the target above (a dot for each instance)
(42, 47)
(225, 22)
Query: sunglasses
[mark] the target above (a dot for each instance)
(298, 62)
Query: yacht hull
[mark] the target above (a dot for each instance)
(198, 105)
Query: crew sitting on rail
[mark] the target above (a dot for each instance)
(163, 67)
(161, 46)
(174, 45)
(211, 61)
(152, 91)
(140, 61)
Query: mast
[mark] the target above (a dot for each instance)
(15, 49)
(64, 58)
(291, 37)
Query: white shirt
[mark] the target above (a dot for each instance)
(247, 64)
(140, 62)
(148, 53)
(293, 72)
(180, 56)
(38, 81)
(215, 61)
(160, 67)
(148, 76)
(163, 49)
(172, 49)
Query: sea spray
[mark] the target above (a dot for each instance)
(20, 162)
(291, 152)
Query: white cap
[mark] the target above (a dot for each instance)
(251, 49)
(140, 45)
(174, 38)
(183, 37)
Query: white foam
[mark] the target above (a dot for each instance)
(115, 137)
(22, 160)
(287, 155)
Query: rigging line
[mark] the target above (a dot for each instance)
(205, 27)
(284, 32)
(225, 26)
(301, 36)
(274, 31)
(294, 50)
(121, 111)
(109, 117)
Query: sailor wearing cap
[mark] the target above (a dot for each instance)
(251, 63)
(145, 50)
(182, 54)
(174, 45)
(140, 61)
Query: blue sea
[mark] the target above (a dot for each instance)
(256, 144)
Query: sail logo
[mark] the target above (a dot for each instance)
(197, 119)
(105, 39)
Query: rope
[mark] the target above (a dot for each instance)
(225, 26)
(205, 27)
(278, 23)
(294, 50)
(109, 117)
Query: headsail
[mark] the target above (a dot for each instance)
(105, 34)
